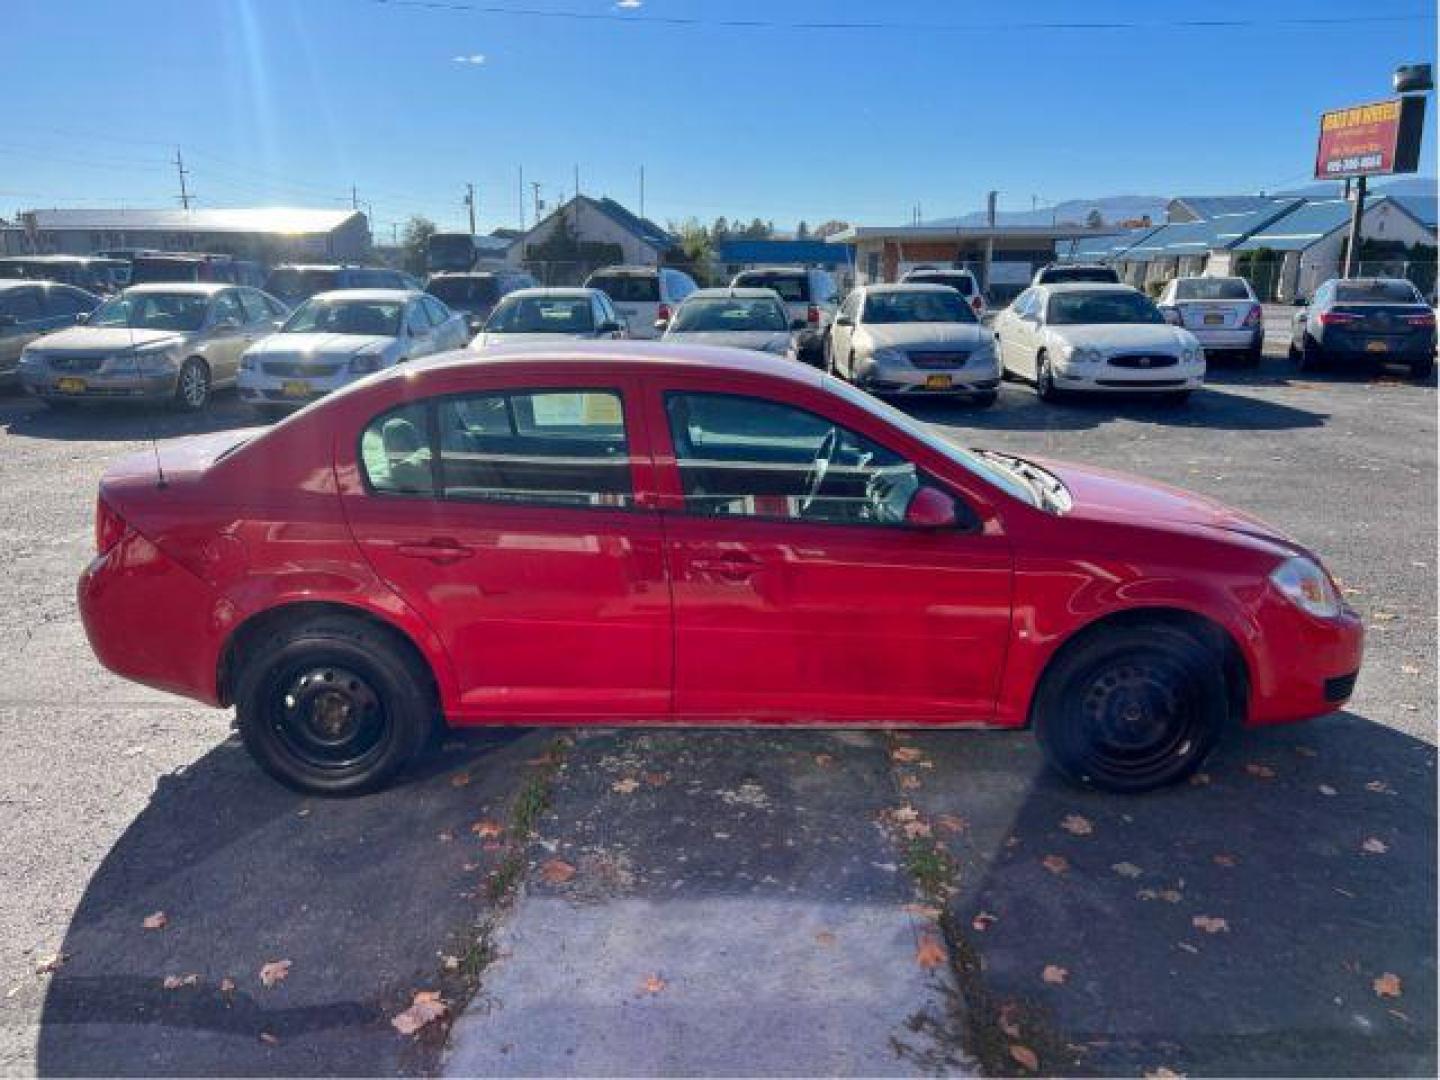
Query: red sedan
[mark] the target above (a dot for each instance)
(653, 535)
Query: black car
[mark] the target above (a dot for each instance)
(1369, 321)
(475, 293)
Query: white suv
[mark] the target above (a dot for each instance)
(642, 295)
(962, 281)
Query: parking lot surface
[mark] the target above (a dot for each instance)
(1251, 923)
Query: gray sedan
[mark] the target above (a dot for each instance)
(171, 343)
(32, 309)
(740, 318)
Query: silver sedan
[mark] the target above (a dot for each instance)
(740, 318)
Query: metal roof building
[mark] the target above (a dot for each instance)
(783, 253)
(1206, 207)
(266, 233)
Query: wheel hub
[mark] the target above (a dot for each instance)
(329, 716)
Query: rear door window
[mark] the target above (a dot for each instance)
(628, 288)
(793, 288)
(1376, 292)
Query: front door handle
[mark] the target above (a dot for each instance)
(729, 567)
(439, 549)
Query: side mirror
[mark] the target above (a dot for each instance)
(845, 320)
(277, 323)
(81, 318)
(1172, 315)
(930, 508)
(660, 324)
(798, 324)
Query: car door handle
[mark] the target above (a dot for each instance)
(438, 549)
(730, 567)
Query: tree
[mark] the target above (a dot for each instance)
(414, 242)
(830, 228)
(802, 231)
(695, 241)
(1094, 219)
(720, 231)
(756, 230)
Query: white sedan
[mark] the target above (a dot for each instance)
(337, 337)
(528, 316)
(1097, 338)
(1221, 312)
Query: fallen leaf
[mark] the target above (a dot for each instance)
(1326, 789)
(909, 783)
(1160, 1072)
(460, 779)
(449, 963)
(1077, 825)
(1375, 846)
(445, 836)
(1210, 924)
(1024, 1057)
(276, 971)
(1188, 947)
(1410, 669)
(227, 985)
(155, 921)
(951, 824)
(556, 871)
(983, 921)
(51, 963)
(1384, 616)
(653, 984)
(1056, 864)
(1200, 779)
(1379, 787)
(922, 911)
(1223, 859)
(915, 830)
(1054, 975)
(1170, 896)
(175, 982)
(1127, 869)
(425, 1008)
(1264, 772)
(931, 952)
(906, 754)
(268, 1039)
(626, 786)
(656, 779)
(487, 830)
(824, 760)
(1006, 1020)
(1387, 985)
(904, 813)
(825, 937)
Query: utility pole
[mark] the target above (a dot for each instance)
(394, 234)
(470, 204)
(354, 198)
(535, 191)
(642, 191)
(1352, 252)
(180, 168)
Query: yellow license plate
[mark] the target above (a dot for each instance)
(70, 386)
(1214, 319)
(937, 382)
(296, 388)
(1376, 346)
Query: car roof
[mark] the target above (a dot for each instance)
(917, 271)
(641, 356)
(774, 270)
(316, 266)
(1208, 277)
(1086, 286)
(739, 292)
(367, 294)
(638, 271)
(908, 286)
(199, 288)
(13, 283)
(574, 292)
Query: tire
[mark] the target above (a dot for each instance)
(333, 706)
(1254, 357)
(1422, 368)
(60, 405)
(1310, 356)
(810, 349)
(1131, 709)
(984, 399)
(1045, 381)
(192, 385)
(1175, 399)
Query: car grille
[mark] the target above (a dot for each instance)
(296, 369)
(1340, 687)
(1144, 360)
(938, 359)
(66, 362)
(1139, 384)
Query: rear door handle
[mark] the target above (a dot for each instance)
(730, 567)
(439, 549)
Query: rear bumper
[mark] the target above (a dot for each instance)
(1307, 666)
(152, 621)
(1360, 346)
(1237, 340)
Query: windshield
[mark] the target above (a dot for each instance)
(793, 288)
(920, 306)
(542, 315)
(963, 283)
(987, 470)
(1376, 292)
(293, 285)
(717, 315)
(1108, 308)
(1059, 275)
(1220, 288)
(144, 270)
(628, 288)
(153, 311)
(459, 291)
(370, 318)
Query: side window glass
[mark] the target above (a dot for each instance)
(437, 311)
(22, 304)
(747, 457)
(416, 319)
(254, 305)
(226, 307)
(60, 303)
(542, 447)
(395, 453)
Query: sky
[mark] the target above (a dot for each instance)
(778, 109)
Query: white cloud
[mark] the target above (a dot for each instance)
(629, 5)
(474, 58)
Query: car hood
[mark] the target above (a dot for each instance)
(1105, 495)
(1123, 336)
(914, 335)
(104, 339)
(318, 344)
(489, 341)
(764, 340)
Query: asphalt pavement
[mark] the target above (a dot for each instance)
(747, 876)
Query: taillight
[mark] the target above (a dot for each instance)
(110, 527)
(1252, 317)
(663, 313)
(812, 315)
(1336, 318)
(1425, 318)
(977, 304)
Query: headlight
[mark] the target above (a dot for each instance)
(366, 361)
(31, 358)
(1192, 354)
(247, 362)
(159, 360)
(1307, 586)
(1083, 354)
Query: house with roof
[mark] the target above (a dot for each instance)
(584, 234)
(1205, 207)
(268, 233)
(1196, 246)
(1305, 245)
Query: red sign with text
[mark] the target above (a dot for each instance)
(1369, 140)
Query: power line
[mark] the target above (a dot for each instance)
(648, 18)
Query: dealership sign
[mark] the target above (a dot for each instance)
(1370, 140)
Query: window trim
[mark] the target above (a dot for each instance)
(436, 494)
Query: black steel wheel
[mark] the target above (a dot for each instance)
(333, 705)
(1133, 708)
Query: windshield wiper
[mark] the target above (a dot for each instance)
(1048, 489)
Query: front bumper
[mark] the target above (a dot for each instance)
(906, 379)
(1306, 667)
(1103, 377)
(99, 386)
(258, 388)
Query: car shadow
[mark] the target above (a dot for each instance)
(358, 894)
(27, 417)
(1213, 408)
(1276, 917)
